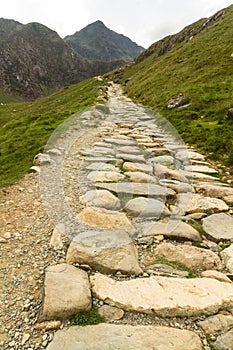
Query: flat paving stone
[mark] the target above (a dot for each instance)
(218, 226)
(124, 337)
(214, 190)
(105, 176)
(173, 229)
(194, 258)
(129, 150)
(135, 188)
(199, 203)
(61, 299)
(164, 296)
(111, 160)
(121, 142)
(138, 176)
(146, 208)
(101, 199)
(145, 168)
(107, 219)
(98, 166)
(131, 157)
(201, 169)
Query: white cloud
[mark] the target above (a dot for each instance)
(144, 21)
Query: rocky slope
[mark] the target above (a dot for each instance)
(97, 42)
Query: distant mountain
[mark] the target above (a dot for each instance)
(35, 60)
(97, 42)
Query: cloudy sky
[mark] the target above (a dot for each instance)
(144, 21)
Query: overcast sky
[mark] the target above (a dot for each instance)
(144, 21)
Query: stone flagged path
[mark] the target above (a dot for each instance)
(151, 214)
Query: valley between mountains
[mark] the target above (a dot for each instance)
(134, 250)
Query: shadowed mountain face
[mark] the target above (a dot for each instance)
(34, 60)
(96, 41)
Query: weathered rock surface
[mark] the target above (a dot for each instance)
(101, 199)
(224, 341)
(189, 155)
(216, 275)
(206, 204)
(105, 176)
(110, 313)
(217, 324)
(166, 297)
(166, 270)
(227, 257)
(66, 292)
(131, 157)
(129, 150)
(173, 229)
(146, 207)
(56, 238)
(106, 251)
(164, 160)
(103, 218)
(124, 337)
(145, 168)
(218, 226)
(135, 188)
(138, 176)
(201, 169)
(192, 257)
(214, 190)
(98, 166)
(120, 141)
(164, 172)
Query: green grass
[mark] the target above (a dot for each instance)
(206, 77)
(86, 318)
(26, 126)
(175, 264)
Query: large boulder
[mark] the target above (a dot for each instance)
(106, 251)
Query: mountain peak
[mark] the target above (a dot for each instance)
(99, 23)
(98, 42)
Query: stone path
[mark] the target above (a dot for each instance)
(147, 227)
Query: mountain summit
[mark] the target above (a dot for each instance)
(98, 42)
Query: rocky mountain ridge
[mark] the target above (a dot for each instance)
(35, 61)
(96, 41)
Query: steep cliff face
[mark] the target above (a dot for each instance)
(97, 42)
(34, 58)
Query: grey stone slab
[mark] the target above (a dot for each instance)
(150, 190)
(124, 337)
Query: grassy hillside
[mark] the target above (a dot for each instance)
(25, 127)
(202, 69)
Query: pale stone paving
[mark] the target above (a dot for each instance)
(144, 201)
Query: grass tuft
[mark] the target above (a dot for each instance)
(86, 318)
